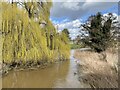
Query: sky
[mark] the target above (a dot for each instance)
(71, 14)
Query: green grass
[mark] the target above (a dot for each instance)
(75, 46)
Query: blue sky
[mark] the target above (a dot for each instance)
(112, 9)
(72, 14)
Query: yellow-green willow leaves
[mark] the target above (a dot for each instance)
(24, 39)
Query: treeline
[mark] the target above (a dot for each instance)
(29, 35)
(100, 32)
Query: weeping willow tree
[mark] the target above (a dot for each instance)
(23, 38)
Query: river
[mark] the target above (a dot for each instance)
(59, 75)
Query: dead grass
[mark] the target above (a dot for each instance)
(96, 72)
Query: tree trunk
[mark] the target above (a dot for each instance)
(51, 42)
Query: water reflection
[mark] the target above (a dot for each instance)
(60, 75)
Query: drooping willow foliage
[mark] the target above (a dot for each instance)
(24, 40)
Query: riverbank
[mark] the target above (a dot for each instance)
(97, 73)
(61, 74)
(21, 66)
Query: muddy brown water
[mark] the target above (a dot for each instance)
(59, 75)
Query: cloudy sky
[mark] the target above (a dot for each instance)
(72, 13)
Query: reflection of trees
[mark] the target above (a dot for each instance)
(62, 69)
(38, 78)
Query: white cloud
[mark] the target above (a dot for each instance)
(72, 26)
(72, 6)
(74, 10)
(115, 18)
(85, 0)
(76, 23)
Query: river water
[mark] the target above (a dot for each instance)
(59, 75)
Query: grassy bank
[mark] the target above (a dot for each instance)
(5, 68)
(75, 46)
(97, 73)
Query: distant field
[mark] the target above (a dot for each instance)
(75, 46)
